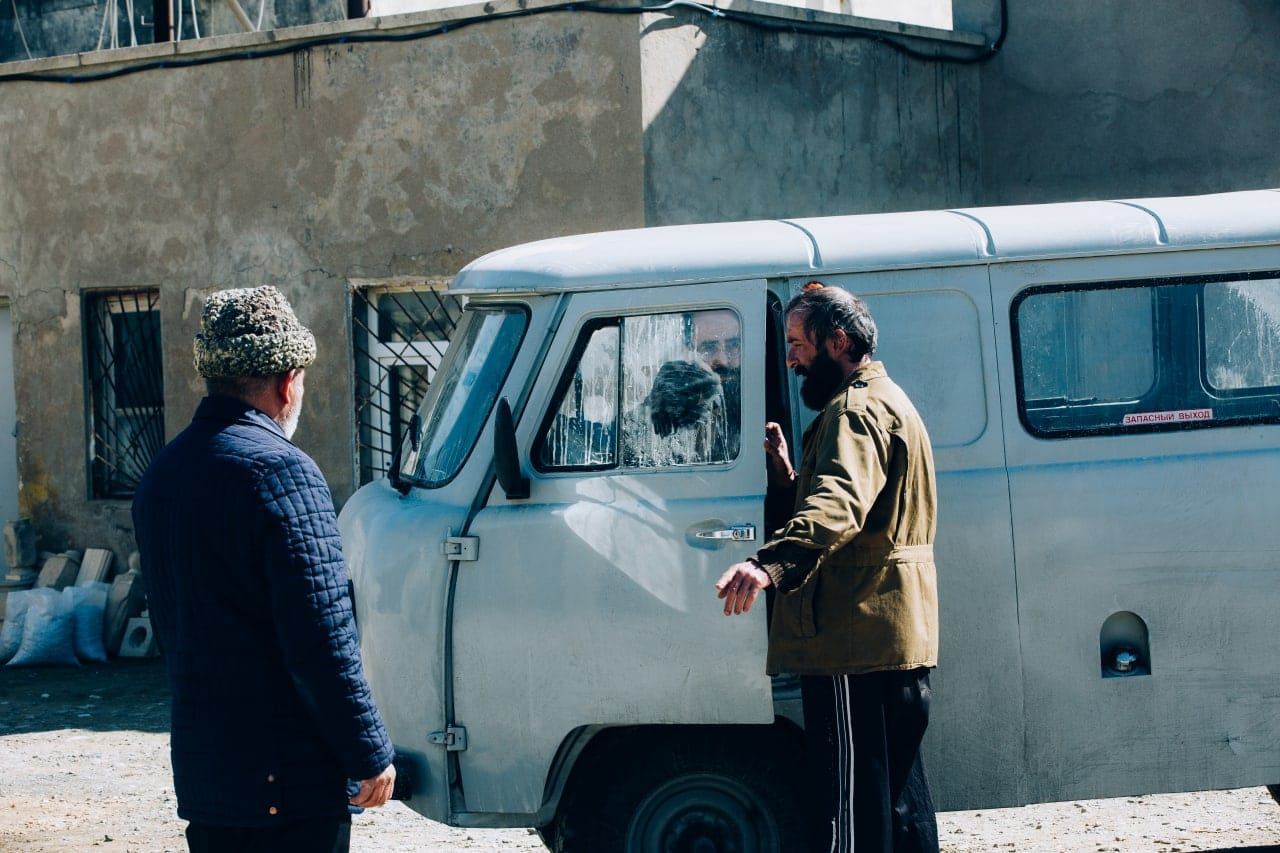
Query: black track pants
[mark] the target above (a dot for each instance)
(869, 789)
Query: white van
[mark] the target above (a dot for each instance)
(1102, 385)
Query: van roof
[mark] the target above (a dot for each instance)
(683, 254)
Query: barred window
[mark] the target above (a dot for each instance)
(400, 336)
(125, 388)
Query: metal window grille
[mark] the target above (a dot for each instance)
(400, 336)
(125, 388)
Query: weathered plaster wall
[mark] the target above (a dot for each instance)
(301, 171)
(746, 124)
(1109, 98)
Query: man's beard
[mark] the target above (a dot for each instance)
(822, 379)
(730, 379)
(288, 419)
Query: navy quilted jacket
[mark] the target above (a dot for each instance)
(248, 594)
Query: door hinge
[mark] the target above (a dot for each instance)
(462, 548)
(453, 739)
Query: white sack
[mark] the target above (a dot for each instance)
(47, 636)
(88, 605)
(15, 616)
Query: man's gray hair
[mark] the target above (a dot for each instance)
(826, 309)
(241, 387)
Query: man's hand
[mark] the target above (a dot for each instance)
(781, 473)
(739, 587)
(376, 791)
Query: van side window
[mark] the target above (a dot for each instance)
(582, 432)
(1134, 357)
(1088, 345)
(1242, 334)
(651, 391)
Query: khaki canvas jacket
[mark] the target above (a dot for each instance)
(857, 587)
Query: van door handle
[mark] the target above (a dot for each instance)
(734, 532)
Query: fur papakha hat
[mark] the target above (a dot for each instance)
(251, 331)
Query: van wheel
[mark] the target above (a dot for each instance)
(1275, 792)
(724, 791)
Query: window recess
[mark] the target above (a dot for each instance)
(125, 388)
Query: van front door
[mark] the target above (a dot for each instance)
(592, 601)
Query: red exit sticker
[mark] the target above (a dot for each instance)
(1180, 416)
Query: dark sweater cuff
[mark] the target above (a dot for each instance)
(787, 564)
(370, 766)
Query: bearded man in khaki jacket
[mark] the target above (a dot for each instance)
(856, 608)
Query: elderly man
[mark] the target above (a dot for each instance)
(272, 716)
(856, 612)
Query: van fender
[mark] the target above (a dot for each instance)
(586, 746)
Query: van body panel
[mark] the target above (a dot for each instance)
(1177, 527)
(666, 255)
(873, 240)
(1044, 538)
(937, 340)
(1242, 217)
(400, 579)
(1083, 227)
(593, 602)
(683, 254)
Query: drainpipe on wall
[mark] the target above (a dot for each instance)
(357, 8)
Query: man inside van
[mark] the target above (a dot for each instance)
(717, 337)
(274, 732)
(856, 610)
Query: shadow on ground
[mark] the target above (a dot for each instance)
(123, 695)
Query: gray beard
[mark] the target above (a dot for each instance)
(289, 420)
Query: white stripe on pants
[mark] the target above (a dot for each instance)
(842, 821)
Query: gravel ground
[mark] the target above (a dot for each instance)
(84, 765)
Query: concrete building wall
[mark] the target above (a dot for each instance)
(744, 124)
(1108, 98)
(302, 171)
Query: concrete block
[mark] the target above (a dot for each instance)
(139, 640)
(96, 566)
(22, 576)
(59, 572)
(124, 601)
(20, 544)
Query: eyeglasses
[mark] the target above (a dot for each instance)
(714, 346)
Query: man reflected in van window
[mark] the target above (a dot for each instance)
(856, 612)
(678, 421)
(718, 342)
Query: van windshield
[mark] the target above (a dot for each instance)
(465, 390)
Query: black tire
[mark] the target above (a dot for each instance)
(686, 790)
(1275, 792)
